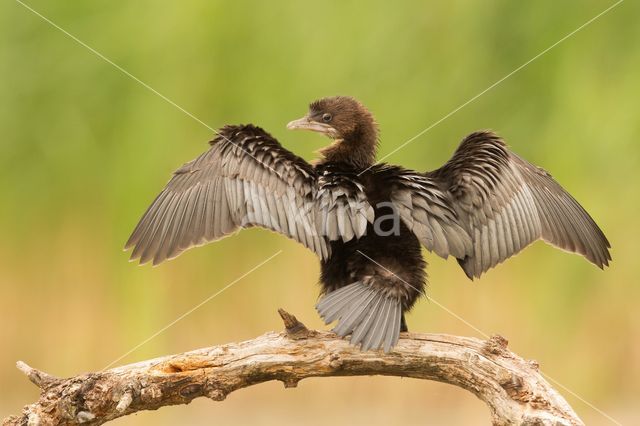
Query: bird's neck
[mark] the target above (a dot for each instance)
(358, 151)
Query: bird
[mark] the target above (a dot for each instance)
(366, 221)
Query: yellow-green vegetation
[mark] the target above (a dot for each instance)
(84, 149)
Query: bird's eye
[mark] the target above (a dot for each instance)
(326, 117)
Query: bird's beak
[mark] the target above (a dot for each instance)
(305, 123)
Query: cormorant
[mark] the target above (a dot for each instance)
(366, 221)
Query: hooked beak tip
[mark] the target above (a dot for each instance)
(305, 123)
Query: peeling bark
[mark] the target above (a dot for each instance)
(512, 387)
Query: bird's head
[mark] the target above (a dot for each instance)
(339, 117)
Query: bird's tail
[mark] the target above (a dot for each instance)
(371, 316)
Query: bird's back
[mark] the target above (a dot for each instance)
(388, 243)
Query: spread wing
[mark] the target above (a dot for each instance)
(245, 179)
(506, 203)
(425, 209)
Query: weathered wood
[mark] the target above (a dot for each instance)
(512, 387)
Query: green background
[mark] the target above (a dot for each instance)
(84, 149)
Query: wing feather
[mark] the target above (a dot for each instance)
(248, 179)
(232, 185)
(506, 203)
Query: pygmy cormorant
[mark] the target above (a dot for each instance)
(366, 221)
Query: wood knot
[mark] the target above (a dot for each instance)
(335, 361)
(511, 383)
(290, 382)
(295, 329)
(172, 367)
(496, 345)
(191, 391)
(216, 395)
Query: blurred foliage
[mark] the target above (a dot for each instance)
(85, 148)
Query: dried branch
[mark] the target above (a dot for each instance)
(512, 387)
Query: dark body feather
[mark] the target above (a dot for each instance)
(399, 267)
(366, 222)
(398, 251)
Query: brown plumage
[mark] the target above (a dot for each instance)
(366, 221)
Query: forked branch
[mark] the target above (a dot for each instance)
(512, 387)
